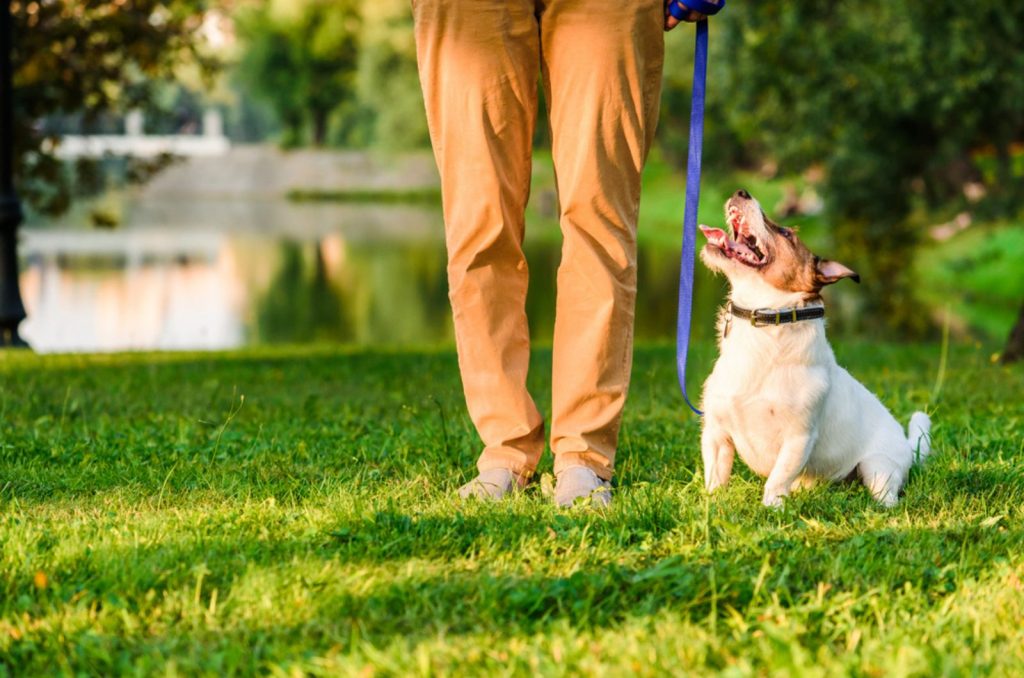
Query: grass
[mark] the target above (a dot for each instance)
(291, 511)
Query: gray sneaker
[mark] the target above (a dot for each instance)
(579, 482)
(492, 484)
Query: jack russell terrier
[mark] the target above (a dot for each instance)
(776, 394)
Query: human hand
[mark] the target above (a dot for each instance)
(671, 22)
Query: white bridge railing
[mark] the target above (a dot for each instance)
(134, 143)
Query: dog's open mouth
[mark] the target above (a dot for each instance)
(743, 246)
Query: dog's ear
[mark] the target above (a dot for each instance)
(828, 272)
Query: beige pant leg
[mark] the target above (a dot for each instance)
(602, 67)
(478, 63)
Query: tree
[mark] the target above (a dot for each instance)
(388, 110)
(1014, 350)
(894, 99)
(90, 58)
(301, 58)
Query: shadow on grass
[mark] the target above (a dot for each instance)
(818, 538)
(788, 568)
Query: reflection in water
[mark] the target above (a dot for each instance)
(301, 306)
(151, 288)
(110, 291)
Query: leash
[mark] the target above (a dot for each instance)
(689, 251)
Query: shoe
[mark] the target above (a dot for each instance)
(493, 484)
(579, 482)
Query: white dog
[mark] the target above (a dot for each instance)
(776, 394)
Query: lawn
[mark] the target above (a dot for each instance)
(291, 511)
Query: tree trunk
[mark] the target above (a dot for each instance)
(319, 128)
(1014, 350)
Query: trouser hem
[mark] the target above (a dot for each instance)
(521, 470)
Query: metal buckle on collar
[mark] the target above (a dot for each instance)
(762, 317)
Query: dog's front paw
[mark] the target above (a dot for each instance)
(711, 484)
(888, 499)
(773, 500)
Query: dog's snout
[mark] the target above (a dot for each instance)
(742, 194)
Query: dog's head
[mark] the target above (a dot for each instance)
(758, 253)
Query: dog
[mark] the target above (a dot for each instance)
(776, 395)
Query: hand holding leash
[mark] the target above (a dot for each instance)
(677, 11)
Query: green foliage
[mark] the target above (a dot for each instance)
(978, 274)
(724, 149)
(894, 99)
(90, 58)
(389, 109)
(361, 89)
(293, 511)
(301, 58)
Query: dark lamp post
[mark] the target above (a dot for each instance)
(12, 311)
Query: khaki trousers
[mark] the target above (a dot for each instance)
(600, 62)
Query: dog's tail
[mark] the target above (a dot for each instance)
(919, 436)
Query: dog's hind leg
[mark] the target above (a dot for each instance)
(919, 436)
(884, 477)
(885, 474)
(718, 452)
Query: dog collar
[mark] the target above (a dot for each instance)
(762, 317)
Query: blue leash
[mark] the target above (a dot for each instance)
(689, 252)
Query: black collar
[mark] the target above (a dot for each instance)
(776, 316)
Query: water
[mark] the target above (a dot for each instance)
(211, 255)
(244, 273)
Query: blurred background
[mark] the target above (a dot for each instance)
(204, 174)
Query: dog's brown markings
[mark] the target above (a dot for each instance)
(794, 268)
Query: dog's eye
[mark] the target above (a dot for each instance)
(788, 232)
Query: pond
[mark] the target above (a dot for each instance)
(203, 275)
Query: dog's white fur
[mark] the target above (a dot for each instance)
(778, 398)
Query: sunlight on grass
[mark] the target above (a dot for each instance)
(151, 521)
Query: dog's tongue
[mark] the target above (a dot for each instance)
(715, 236)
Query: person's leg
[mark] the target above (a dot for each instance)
(602, 69)
(478, 64)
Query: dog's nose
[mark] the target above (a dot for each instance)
(742, 194)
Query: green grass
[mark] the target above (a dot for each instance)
(290, 511)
